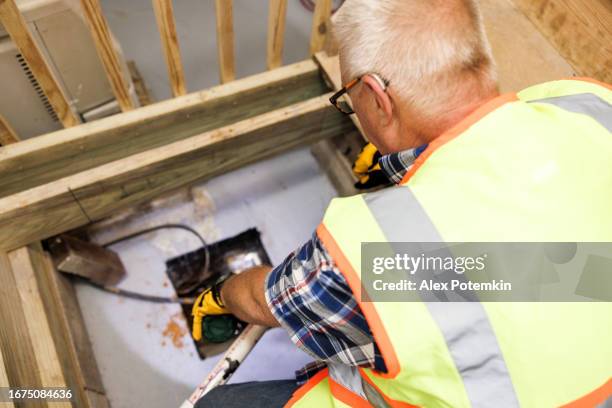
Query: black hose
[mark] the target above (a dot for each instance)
(153, 298)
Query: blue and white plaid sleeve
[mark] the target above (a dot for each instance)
(311, 299)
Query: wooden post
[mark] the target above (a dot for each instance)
(17, 28)
(24, 262)
(102, 39)
(225, 39)
(4, 381)
(277, 14)
(164, 15)
(7, 134)
(320, 25)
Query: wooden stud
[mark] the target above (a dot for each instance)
(104, 45)
(7, 134)
(24, 261)
(144, 97)
(59, 154)
(76, 200)
(164, 14)
(580, 30)
(225, 39)
(320, 25)
(17, 28)
(277, 15)
(16, 348)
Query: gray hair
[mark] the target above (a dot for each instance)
(427, 49)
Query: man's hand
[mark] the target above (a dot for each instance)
(241, 295)
(367, 169)
(208, 303)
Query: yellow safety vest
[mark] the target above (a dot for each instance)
(529, 167)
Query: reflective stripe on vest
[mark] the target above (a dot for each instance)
(482, 369)
(507, 173)
(586, 104)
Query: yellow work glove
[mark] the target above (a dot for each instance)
(208, 303)
(367, 169)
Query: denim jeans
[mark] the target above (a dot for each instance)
(264, 394)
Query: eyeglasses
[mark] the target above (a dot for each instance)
(339, 99)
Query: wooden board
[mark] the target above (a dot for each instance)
(320, 25)
(225, 39)
(71, 338)
(164, 14)
(93, 194)
(7, 134)
(110, 61)
(17, 350)
(17, 28)
(4, 382)
(581, 31)
(24, 262)
(46, 158)
(277, 15)
(524, 57)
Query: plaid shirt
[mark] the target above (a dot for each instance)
(310, 298)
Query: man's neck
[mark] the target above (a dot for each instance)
(424, 131)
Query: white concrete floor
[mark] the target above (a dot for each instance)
(283, 197)
(141, 365)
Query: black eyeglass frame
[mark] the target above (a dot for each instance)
(334, 98)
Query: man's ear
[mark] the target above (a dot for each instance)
(384, 104)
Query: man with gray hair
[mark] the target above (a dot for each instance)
(470, 166)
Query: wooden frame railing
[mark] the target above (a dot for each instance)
(15, 25)
(69, 178)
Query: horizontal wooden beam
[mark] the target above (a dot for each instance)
(93, 194)
(580, 30)
(40, 160)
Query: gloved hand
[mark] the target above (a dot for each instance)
(367, 169)
(209, 303)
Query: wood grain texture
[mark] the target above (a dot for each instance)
(581, 30)
(20, 363)
(4, 382)
(93, 194)
(110, 61)
(71, 338)
(164, 14)
(144, 97)
(46, 158)
(224, 10)
(24, 262)
(320, 25)
(277, 15)
(7, 134)
(524, 57)
(17, 28)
